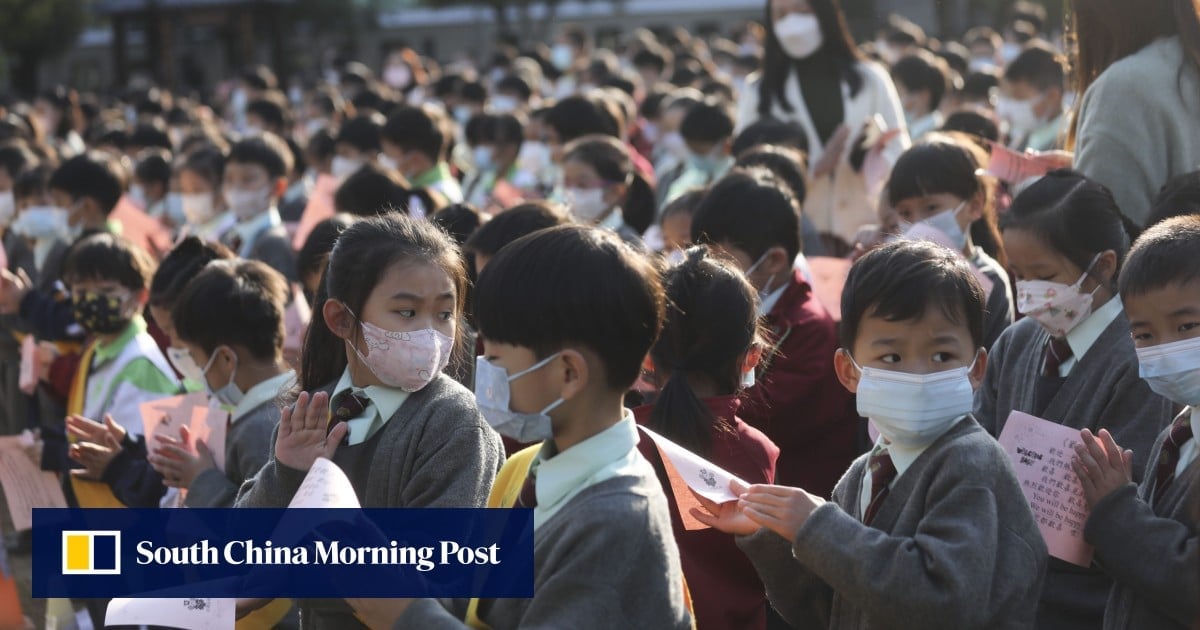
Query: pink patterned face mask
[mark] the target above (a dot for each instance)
(1059, 308)
(405, 360)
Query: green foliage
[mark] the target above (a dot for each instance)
(37, 29)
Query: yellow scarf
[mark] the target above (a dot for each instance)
(88, 493)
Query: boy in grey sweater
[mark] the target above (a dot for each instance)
(930, 529)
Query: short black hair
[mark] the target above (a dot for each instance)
(973, 124)
(657, 58)
(513, 224)
(1039, 65)
(707, 123)
(750, 210)
(153, 165)
(92, 174)
(16, 158)
(266, 150)
(1165, 254)
(516, 85)
(416, 129)
(370, 191)
(1179, 196)
(573, 285)
(459, 220)
(315, 253)
(149, 135)
(473, 92)
(180, 265)
(575, 116)
(771, 131)
(903, 31)
(106, 257)
(34, 181)
(922, 71)
(362, 133)
(979, 85)
(787, 164)
(234, 302)
(902, 280)
(208, 162)
(271, 109)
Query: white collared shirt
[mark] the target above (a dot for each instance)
(1190, 449)
(1082, 337)
(250, 230)
(384, 403)
(902, 458)
(261, 393)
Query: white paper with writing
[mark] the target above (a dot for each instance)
(703, 477)
(190, 613)
(25, 486)
(325, 486)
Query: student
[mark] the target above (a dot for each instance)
(795, 400)
(931, 529)
(935, 184)
(416, 145)
(707, 129)
(374, 190)
(151, 182)
(1031, 100)
(389, 315)
(494, 153)
(1145, 535)
(788, 164)
(1070, 360)
(922, 80)
(1179, 196)
(201, 175)
(604, 556)
(357, 143)
(601, 186)
(675, 224)
(255, 178)
(706, 353)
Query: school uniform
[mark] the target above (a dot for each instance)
(430, 448)
(440, 178)
(724, 586)
(688, 177)
(603, 553)
(797, 400)
(1146, 539)
(1000, 311)
(1098, 387)
(951, 545)
(615, 222)
(264, 238)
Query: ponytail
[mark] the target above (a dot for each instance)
(639, 205)
(681, 416)
(613, 163)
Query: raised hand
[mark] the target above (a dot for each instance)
(302, 438)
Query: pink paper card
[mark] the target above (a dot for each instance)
(165, 416)
(1041, 453)
(1013, 167)
(319, 208)
(828, 277)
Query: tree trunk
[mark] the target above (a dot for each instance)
(24, 68)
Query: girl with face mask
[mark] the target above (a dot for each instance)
(602, 187)
(200, 198)
(1071, 359)
(386, 321)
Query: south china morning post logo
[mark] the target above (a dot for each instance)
(91, 552)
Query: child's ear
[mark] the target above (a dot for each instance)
(777, 260)
(1106, 267)
(847, 374)
(979, 369)
(575, 373)
(338, 319)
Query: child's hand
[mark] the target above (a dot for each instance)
(378, 612)
(95, 432)
(13, 287)
(726, 517)
(780, 509)
(95, 457)
(302, 437)
(1101, 465)
(178, 465)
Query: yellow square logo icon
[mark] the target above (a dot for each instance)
(91, 552)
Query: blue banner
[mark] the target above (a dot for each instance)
(300, 553)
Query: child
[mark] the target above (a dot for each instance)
(1070, 360)
(922, 80)
(255, 178)
(416, 144)
(1179, 196)
(1145, 536)
(936, 184)
(151, 181)
(494, 153)
(388, 317)
(706, 353)
(1031, 99)
(796, 400)
(15, 160)
(931, 529)
(567, 315)
(357, 144)
(675, 224)
(707, 129)
(601, 185)
(510, 225)
(373, 190)
(200, 176)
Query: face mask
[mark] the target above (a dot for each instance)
(174, 209)
(229, 395)
(945, 224)
(8, 207)
(398, 76)
(137, 194)
(913, 410)
(246, 204)
(504, 104)
(587, 204)
(1057, 307)
(766, 290)
(1172, 370)
(482, 157)
(99, 313)
(562, 56)
(710, 164)
(198, 208)
(177, 135)
(41, 222)
(492, 394)
(981, 64)
(799, 35)
(462, 114)
(343, 167)
(238, 101)
(1020, 115)
(183, 363)
(674, 145)
(405, 360)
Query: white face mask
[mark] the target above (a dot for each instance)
(913, 410)
(493, 395)
(8, 207)
(799, 34)
(1172, 370)
(198, 208)
(246, 204)
(229, 395)
(1058, 307)
(587, 204)
(767, 286)
(562, 56)
(41, 222)
(183, 363)
(1021, 115)
(344, 167)
(504, 104)
(482, 157)
(941, 228)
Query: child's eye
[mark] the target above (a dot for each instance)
(890, 358)
(1140, 336)
(446, 315)
(942, 357)
(406, 313)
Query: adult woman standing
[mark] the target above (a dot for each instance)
(813, 75)
(1138, 68)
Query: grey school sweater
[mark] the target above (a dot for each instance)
(1103, 390)
(248, 443)
(1151, 552)
(607, 559)
(953, 546)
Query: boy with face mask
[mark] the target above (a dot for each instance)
(707, 131)
(255, 179)
(1031, 100)
(930, 529)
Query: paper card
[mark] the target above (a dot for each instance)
(319, 208)
(1014, 167)
(192, 613)
(295, 321)
(1041, 453)
(209, 424)
(828, 278)
(140, 228)
(325, 486)
(507, 195)
(166, 415)
(705, 478)
(28, 378)
(27, 487)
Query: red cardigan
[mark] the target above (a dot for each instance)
(797, 400)
(726, 590)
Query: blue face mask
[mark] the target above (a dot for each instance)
(492, 393)
(712, 164)
(229, 395)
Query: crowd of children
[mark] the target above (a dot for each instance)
(611, 247)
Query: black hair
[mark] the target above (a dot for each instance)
(573, 285)
(516, 85)
(612, 162)
(260, 77)
(373, 190)
(786, 163)
(94, 175)
(1164, 255)
(837, 53)
(208, 162)
(655, 57)
(321, 145)
(315, 252)
(34, 181)
(15, 159)
(1179, 196)
(922, 71)
(416, 129)
(711, 323)
(362, 254)
(575, 116)
(272, 111)
(687, 203)
(508, 130)
(619, 82)
(903, 31)
(771, 131)
(234, 303)
(979, 85)
(148, 135)
(479, 128)
(266, 150)
(901, 281)
(473, 92)
(106, 257)
(1074, 216)
(750, 210)
(957, 58)
(1040, 66)
(153, 165)
(459, 220)
(973, 124)
(180, 265)
(1032, 14)
(514, 223)
(707, 123)
(362, 133)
